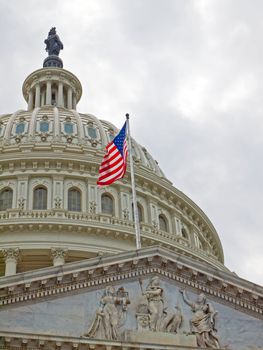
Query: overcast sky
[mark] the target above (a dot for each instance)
(189, 72)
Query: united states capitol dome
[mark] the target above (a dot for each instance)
(51, 210)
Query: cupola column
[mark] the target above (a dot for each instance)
(30, 101)
(42, 99)
(74, 103)
(11, 256)
(48, 93)
(37, 96)
(58, 255)
(60, 94)
(69, 98)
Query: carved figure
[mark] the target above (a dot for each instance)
(110, 316)
(151, 313)
(172, 321)
(21, 203)
(53, 43)
(202, 323)
(126, 214)
(58, 202)
(154, 295)
(92, 207)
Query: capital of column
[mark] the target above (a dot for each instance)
(58, 256)
(10, 254)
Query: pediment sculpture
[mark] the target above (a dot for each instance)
(110, 315)
(154, 316)
(202, 323)
(151, 313)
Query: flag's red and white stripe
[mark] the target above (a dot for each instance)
(113, 166)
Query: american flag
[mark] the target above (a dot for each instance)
(114, 163)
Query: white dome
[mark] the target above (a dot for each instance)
(52, 153)
(46, 126)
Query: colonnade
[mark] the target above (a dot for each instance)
(12, 256)
(64, 95)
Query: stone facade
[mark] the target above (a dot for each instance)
(105, 298)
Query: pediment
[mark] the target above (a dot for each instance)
(66, 302)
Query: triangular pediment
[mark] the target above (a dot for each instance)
(64, 301)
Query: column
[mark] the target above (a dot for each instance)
(30, 100)
(48, 93)
(11, 256)
(58, 256)
(69, 98)
(42, 98)
(74, 102)
(37, 96)
(60, 94)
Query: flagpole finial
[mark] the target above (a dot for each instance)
(127, 115)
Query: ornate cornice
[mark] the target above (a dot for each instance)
(87, 275)
(25, 341)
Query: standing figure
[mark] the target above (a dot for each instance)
(202, 323)
(154, 295)
(53, 43)
(151, 313)
(110, 315)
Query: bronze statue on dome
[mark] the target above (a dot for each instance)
(53, 43)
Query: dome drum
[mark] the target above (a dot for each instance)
(53, 182)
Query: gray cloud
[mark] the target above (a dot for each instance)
(190, 74)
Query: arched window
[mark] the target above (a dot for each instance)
(40, 198)
(6, 197)
(107, 204)
(74, 200)
(163, 223)
(140, 212)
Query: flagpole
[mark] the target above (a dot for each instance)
(135, 208)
